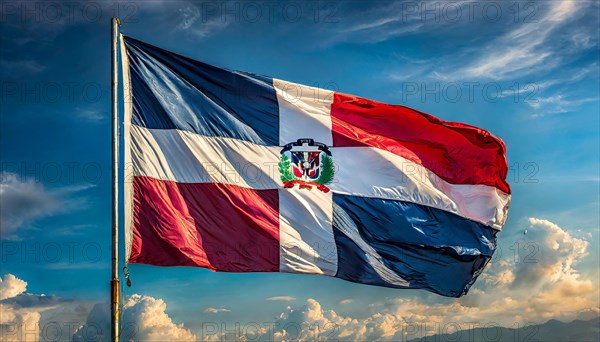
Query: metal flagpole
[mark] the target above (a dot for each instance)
(115, 286)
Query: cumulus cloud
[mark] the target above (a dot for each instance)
(20, 312)
(11, 286)
(144, 318)
(538, 283)
(313, 323)
(550, 258)
(18, 324)
(152, 323)
(30, 317)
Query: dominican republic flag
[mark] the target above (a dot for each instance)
(239, 172)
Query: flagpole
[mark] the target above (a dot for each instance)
(115, 286)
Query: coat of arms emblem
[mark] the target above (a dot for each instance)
(306, 163)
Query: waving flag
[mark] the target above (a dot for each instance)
(238, 172)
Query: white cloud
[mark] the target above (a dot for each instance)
(189, 15)
(533, 283)
(312, 322)
(563, 100)
(539, 284)
(216, 310)
(152, 323)
(20, 313)
(144, 318)
(551, 258)
(24, 317)
(198, 24)
(282, 298)
(11, 286)
(377, 25)
(24, 200)
(556, 104)
(528, 48)
(90, 114)
(574, 76)
(19, 324)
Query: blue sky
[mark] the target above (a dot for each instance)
(526, 71)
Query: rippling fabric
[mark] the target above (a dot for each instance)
(421, 246)
(415, 202)
(175, 92)
(456, 152)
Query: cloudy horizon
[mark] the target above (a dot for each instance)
(525, 71)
